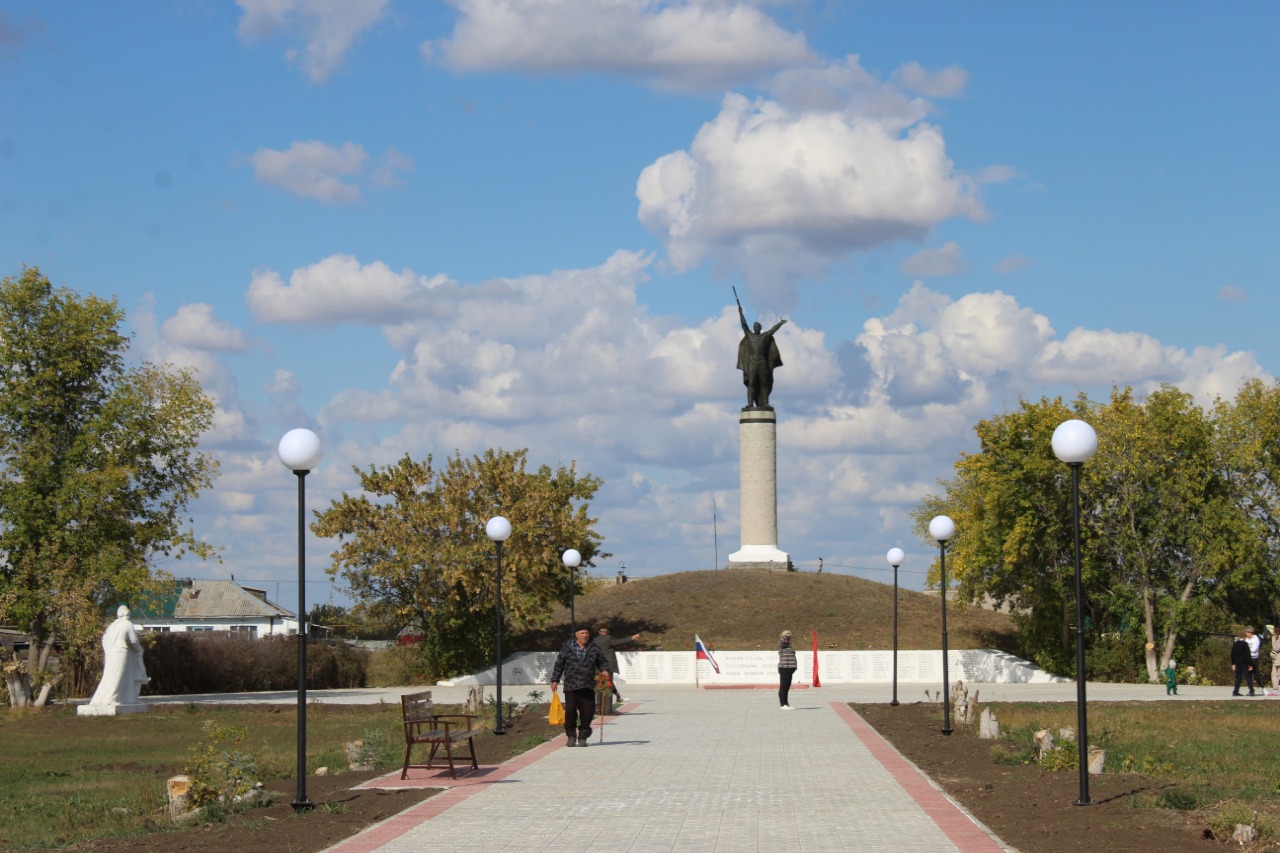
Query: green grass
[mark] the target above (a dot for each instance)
(62, 775)
(1206, 754)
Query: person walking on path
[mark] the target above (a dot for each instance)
(607, 645)
(786, 668)
(1242, 663)
(578, 662)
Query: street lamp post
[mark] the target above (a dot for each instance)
(895, 558)
(300, 451)
(1075, 442)
(498, 529)
(572, 559)
(943, 528)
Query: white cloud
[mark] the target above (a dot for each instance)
(1013, 263)
(571, 365)
(691, 44)
(324, 172)
(196, 350)
(947, 82)
(312, 170)
(196, 326)
(327, 28)
(338, 289)
(1231, 293)
(944, 260)
(777, 191)
(393, 162)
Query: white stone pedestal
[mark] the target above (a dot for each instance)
(111, 710)
(758, 470)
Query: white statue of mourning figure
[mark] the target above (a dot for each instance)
(123, 672)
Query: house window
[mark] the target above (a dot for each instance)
(156, 629)
(200, 628)
(251, 630)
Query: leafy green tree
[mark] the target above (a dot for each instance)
(414, 547)
(1011, 505)
(99, 463)
(1180, 521)
(1167, 522)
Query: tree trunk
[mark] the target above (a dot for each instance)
(1149, 630)
(19, 687)
(1172, 638)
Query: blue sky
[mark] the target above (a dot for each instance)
(421, 227)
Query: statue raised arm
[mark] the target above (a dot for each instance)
(757, 357)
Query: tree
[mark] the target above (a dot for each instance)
(414, 546)
(1169, 524)
(1011, 505)
(1180, 520)
(99, 463)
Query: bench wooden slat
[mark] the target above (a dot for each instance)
(423, 725)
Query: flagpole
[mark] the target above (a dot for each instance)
(695, 662)
(715, 532)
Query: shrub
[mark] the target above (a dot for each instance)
(220, 771)
(399, 665)
(219, 662)
(1178, 799)
(1223, 821)
(1212, 660)
(1116, 657)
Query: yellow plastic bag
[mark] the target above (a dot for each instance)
(556, 717)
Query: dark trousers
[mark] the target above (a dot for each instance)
(1243, 672)
(579, 710)
(784, 685)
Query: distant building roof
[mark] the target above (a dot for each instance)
(193, 599)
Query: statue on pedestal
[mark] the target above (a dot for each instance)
(757, 357)
(123, 673)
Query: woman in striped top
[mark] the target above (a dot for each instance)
(786, 668)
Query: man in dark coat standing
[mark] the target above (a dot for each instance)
(1242, 663)
(578, 662)
(608, 644)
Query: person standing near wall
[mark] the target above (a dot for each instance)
(786, 669)
(608, 645)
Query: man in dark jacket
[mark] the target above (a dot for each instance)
(1242, 663)
(608, 644)
(578, 662)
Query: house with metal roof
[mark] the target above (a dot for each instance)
(217, 606)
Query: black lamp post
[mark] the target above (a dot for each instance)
(1075, 442)
(300, 451)
(943, 528)
(895, 558)
(499, 530)
(572, 559)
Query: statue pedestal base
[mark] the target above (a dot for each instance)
(758, 469)
(760, 557)
(111, 710)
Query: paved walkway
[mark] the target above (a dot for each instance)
(696, 770)
(702, 771)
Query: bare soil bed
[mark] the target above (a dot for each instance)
(1031, 808)
(339, 813)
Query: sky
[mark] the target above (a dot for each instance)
(427, 227)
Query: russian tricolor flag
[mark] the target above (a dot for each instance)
(702, 653)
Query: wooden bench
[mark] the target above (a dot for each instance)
(423, 725)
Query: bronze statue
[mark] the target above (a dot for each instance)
(757, 357)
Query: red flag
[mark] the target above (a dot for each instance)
(816, 681)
